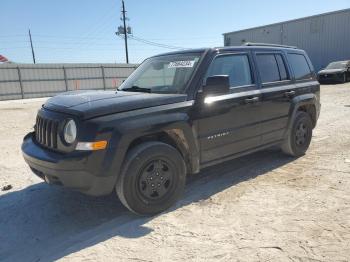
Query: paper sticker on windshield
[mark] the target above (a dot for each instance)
(177, 64)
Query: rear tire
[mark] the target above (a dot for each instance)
(299, 137)
(152, 179)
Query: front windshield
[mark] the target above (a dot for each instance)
(163, 74)
(337, 65)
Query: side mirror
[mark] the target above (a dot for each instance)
(216, 85)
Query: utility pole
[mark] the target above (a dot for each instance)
(125, 35)
(124, 30)
(31, 45)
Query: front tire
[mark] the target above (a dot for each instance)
(299, 137)
(152, 178)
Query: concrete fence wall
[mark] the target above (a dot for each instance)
(19, 81)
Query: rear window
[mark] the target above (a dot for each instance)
(271, 68)
(300, 66)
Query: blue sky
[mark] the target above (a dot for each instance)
(83, 31)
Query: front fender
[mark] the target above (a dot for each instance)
(128, 129)
(134, 129)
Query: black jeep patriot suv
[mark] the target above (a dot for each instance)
(177, 113)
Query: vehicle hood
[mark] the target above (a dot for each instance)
(331, 71)
(89, 104)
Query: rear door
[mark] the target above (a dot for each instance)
(277, 90)
(229, 124)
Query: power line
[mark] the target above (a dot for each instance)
(65, 43)
(12, 36)
(140, 47)
(96, 37)
(155, 44)
(96, 27)
(106, 41)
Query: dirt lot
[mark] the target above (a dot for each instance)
(263, 207)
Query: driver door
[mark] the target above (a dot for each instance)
(229, 124)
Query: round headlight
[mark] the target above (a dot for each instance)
(70, 132)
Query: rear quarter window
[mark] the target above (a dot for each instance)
(300, 66)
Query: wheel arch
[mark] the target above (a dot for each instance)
(173, 137)
(310, 109)
(306, 103)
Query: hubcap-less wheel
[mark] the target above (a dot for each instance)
(155, 180)
(299, 137)
(152, 178)
(301, 134)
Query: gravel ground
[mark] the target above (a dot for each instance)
(262, 207)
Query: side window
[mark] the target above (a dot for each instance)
(268, 68)
(237, 67)
(271, 68)
(300, 66)
(282, 68)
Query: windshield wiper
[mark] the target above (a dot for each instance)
(137, 89)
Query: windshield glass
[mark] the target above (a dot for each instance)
(162, 74)
(337, 65)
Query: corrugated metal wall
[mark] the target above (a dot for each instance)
(325, 37)
(41, 80)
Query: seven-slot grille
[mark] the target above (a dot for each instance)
(46, 132)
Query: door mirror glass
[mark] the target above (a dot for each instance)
(217, 85)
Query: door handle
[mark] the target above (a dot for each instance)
(289, 93)
(251, 100)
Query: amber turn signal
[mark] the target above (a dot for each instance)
(93, 146)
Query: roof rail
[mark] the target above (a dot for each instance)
(266, 44)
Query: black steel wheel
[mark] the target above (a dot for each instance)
(152, 179)
(156, 179)
(299, 136)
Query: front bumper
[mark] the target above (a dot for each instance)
(70, 170)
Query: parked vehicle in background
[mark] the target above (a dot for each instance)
(335, 72)
(176, 114)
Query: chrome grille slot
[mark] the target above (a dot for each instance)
(46, 131)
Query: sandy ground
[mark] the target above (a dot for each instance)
(263, 207)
